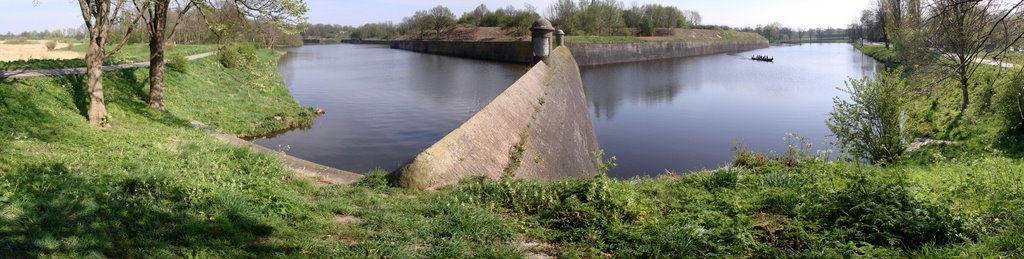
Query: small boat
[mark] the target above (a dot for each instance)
(763, 58)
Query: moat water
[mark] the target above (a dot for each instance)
(384, 106)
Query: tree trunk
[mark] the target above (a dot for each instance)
(963, 92)
(156, 54)
(94, 66)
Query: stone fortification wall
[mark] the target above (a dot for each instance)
(539, 128)
(590, 54)
(504, 51)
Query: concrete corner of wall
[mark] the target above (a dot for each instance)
(538, 128)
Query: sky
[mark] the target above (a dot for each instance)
(21, 15)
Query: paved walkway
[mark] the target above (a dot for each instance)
(82, 70)
(997, 63)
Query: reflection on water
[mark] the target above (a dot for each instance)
(687, 114)
(383, 106)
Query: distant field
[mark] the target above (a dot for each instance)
(34, 49)
(75, 54)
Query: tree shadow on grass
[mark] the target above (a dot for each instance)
(53, 210)
(76, 88)
(131, 94)
(25, 115)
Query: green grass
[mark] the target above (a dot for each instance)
(129, 54)
(151, 186)
(878, 52)
(1011, 57)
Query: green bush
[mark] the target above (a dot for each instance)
(882, 209)
(1011, 103)
(722, 179)
(374, 180)
(869, 125)
(178, 63)
(598, 211)
(237, 55)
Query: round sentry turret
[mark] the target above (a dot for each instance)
(542, 25)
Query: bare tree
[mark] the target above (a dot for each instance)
(693, 17)
(441, 19)
(961, 32)
(99, 16)
(154, 13)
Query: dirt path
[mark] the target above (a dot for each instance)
(81, 70)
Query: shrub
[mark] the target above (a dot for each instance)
(237, 55)
(50, 45)
(726, 178)
(869, 125)
(374, 180)
(1011, 103)
(178, 63)
(595, 211)
(881, 209)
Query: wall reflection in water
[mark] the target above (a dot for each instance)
(687, 114)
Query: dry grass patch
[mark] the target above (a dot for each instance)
(36, 49)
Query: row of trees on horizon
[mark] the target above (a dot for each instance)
(583, 17)
(576, 18)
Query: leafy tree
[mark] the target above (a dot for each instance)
(868, 125)
(602, 16)
(517, 22)
(565, 15)
(441, 19)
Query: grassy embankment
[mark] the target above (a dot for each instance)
(150, 186)
(718, 35)
(129, 54)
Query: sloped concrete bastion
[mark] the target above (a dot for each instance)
(539, 128)
(591, 54)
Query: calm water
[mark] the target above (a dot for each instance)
(687, 114)
(383, 106)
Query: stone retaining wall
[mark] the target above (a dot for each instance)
(590, 54)
(538, 128)
(504, 51)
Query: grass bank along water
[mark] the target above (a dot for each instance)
(151, 186)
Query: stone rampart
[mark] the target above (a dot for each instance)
(504, 51)
(591, 54)
(538, 128)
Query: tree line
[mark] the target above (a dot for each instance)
(68, 33)
(583, 17)
(612, 18)
(776, 32)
